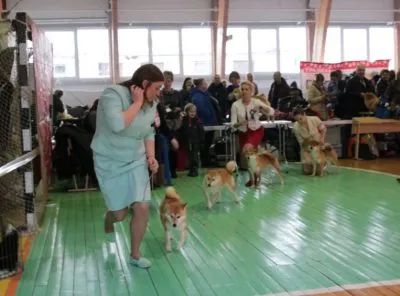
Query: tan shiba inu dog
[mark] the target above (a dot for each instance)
(321, 156)
(216, 179)
(173, 216)
(258, 160)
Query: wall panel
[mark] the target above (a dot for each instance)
(56, 9)
(365, 11)
(171, 11)
(267, 11)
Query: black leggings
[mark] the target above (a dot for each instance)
(193, 156)
(205, 152)
(173, 161)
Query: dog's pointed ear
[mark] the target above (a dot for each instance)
(184, 205)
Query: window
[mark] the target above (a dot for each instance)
(166, 49)
(381, 44)
(104, 69)
(196, 49)
(237, 51)
(59, 70)
(241, 66)
(293, 49)
(93, 49)
(132, 54)
(355, 44)
(63, 52)
(263, 50)
(333, 45)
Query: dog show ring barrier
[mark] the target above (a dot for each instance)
(282, 125)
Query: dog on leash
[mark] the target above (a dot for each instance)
(173, 216)
(258, 160)
(321, 155)
(216, 179)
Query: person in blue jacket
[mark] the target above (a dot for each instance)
(206, 113)
(123, 152)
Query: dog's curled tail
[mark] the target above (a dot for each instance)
(269, 155)
(231, 166)
(171, 192)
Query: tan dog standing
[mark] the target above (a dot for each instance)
(173, 216)
(321, 155)
(258, 160)
(216, 179)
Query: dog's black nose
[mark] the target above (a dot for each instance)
(174, 225)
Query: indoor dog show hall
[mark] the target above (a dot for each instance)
(200, 148)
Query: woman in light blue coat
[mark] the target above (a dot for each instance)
(123, 151)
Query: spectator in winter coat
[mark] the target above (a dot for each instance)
(219, 91)
(192, 133)
(279, 89)
(356, 85)
(250, 78)
(171, 99)
(383, 83)
(185, 92)
(206, 113)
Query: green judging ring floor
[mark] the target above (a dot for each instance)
(309, 233)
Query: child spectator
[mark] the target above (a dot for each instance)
(192, 133)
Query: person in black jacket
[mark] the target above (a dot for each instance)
(185, 92)
(192, 132)
(354, 102)
(164, 137)
(171, 99)
(219, 91)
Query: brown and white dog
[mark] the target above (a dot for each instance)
(216, 179)
(173, 216)
(258, 160)
(321, 155)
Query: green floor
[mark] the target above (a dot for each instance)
(309, 233)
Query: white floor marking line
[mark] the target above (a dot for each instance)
(370, 171)
(362, 170)
(336, 289)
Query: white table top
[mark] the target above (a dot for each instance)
(337, 122)
(273, 124)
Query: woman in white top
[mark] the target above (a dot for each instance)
(245, 116)
(307, 128)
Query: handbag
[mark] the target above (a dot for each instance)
(174, 124)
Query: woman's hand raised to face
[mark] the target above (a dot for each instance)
(137, 95)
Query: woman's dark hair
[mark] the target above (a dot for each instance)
(319, 77)
(147, 72)
(293, 84)
(334, 74)
(234, 74)
(58, 93)
(198, 82)
(384, 71)
(186, 80)
(94, 106)
(298, 110)
(392, 75)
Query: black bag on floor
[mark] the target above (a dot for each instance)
(9, 249)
